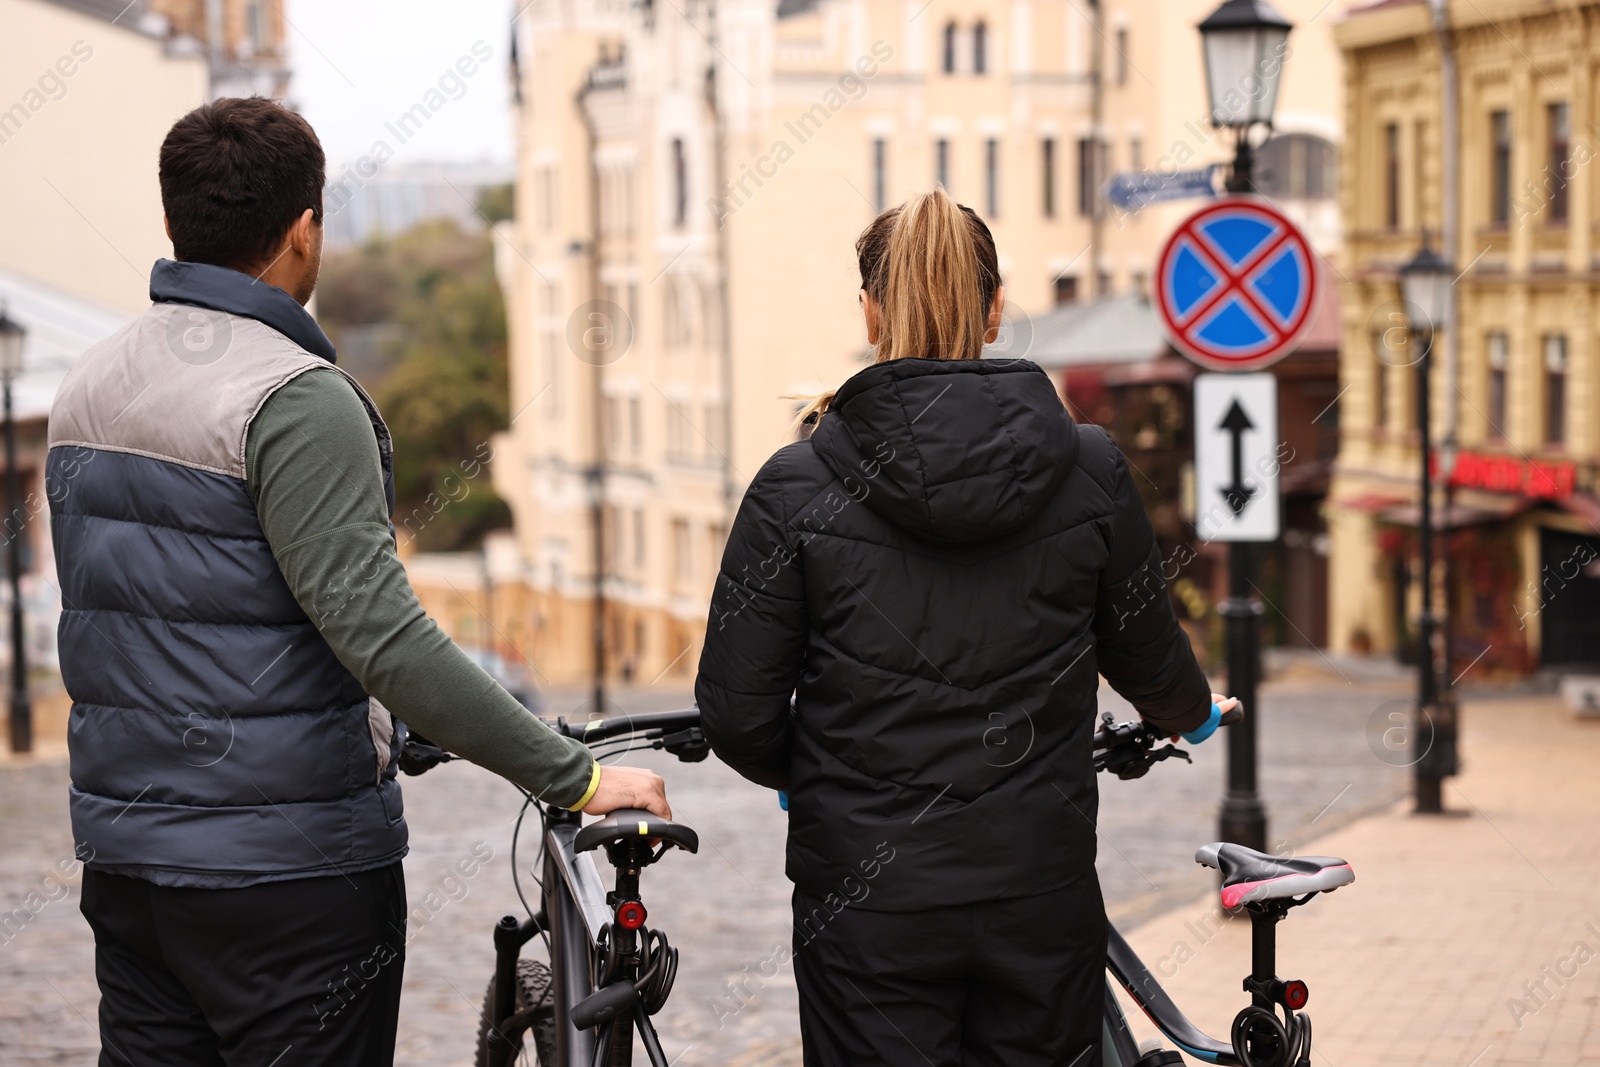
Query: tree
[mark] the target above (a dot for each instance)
(444, 393)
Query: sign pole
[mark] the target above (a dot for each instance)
(1244, 818)
(1236, 288)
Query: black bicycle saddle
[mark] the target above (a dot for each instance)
(1248, 875)
(635, 822)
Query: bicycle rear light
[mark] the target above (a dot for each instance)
(1295, 994)
(631, 915)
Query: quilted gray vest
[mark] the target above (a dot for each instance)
(215, 739)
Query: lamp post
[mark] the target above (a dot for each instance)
(1244, 43)
(1425, 287)
(12, 336)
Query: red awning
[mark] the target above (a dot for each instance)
(1458, 515)
(1368, 502)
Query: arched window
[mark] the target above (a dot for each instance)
(980, 49)
(680, 183)
(950, 48)
(1297, 166)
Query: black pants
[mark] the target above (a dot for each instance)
(304, 973)
(1011, 983)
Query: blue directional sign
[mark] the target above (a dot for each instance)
(1133, 190)
(1236, 285)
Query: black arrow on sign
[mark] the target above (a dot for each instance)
(1236, 422)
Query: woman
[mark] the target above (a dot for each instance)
(936, 576)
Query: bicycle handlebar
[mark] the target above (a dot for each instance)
(596, 730)
(1128, 749)
(678, 732)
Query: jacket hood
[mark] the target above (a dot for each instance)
(956, 451)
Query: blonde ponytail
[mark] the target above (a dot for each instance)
(930, 266)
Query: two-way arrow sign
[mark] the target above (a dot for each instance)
(1236, 457)
(1237, 493)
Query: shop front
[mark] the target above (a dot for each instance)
(1517, 551)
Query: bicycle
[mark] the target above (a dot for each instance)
(609, 973)
(1266, 888)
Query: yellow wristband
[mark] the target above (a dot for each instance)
(588, 794)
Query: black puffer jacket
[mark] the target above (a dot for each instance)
(936, 576)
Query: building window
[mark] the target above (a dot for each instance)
(1135, 153)
(1091, 154)
(1066, 289)
(551, 390)
(635, 425)
(1298, 166)
(1122, 56)
(680, 184)
(1498, 359)
(611, 419)
(1047, 159)
(255, 26)
(1558, 118)
(991, 178)
(547, 198)
(1380, 380)
(1555, 388)
(1500, 168)
(1391, 176)
(1102, 283)
(949, 48)
(638, 538)
(941, 162)
(980, 49)
(682, 552)
(716, 542)
(880, 174)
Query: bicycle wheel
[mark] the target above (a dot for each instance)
(535, 1005)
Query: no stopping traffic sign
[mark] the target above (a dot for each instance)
(1236, 285)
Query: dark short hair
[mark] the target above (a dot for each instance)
(235, 174)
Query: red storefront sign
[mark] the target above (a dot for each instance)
(1513, 474)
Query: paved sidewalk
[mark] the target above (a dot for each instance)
(1468, 940)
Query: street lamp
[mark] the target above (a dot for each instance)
(1245, 44)
(12, 336)
(1426, 284)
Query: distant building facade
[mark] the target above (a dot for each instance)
(1522, 572)
(365, 200)
(690, 184)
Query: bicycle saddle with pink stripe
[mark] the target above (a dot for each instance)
(1248, 875)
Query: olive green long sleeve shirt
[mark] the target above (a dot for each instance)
(313, 469)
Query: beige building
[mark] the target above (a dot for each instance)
(87, 91)
(1520, 380)
(691, 181)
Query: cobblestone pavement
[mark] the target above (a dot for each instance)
(1468, 939)
(727, 908)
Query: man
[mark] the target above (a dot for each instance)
(239, 639)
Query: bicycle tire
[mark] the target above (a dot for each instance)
(535, 1001)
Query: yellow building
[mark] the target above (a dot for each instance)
(691, 181)
(1517, 383)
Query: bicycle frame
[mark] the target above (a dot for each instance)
(1131, 973)
(573, 912)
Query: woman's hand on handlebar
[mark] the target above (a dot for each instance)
(629, 787)
(1222, 705)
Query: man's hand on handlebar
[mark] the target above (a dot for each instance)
(629, 787)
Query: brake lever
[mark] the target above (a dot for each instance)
(689, 744)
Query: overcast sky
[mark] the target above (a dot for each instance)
(359, 64)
